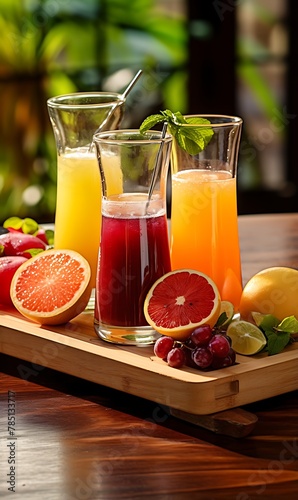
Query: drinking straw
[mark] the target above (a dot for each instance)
(131, 84)
(157, 165)
(123, 97)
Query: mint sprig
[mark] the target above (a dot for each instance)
(192, 139)
(221, 319)
(277, 341)
(278, 334)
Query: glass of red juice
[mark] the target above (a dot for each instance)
(134, 248)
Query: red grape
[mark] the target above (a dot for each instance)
(202, 357)
(229, 360)
(188, 357)
(232, 355)
(219, 346)
(201, 336)
(205, 348)
(162, 346)
(176, 357)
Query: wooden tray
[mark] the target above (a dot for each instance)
(76, 350)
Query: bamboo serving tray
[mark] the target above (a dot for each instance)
(75, 349)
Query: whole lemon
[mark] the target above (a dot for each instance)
(271, 291)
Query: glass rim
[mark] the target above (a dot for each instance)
(149, 137)
(74, 100)
(227, 120)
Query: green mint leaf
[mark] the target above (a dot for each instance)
(277, 341)
(289, 324)
(1, 250)
(192, 139)
(150, 122)
(221, 319)
(174, 118)
(206, 133)
(268, 322)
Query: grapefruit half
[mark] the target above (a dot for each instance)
(52, 287)
(180, 301)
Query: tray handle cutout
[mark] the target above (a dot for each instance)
(226, 389)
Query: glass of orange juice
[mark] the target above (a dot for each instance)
(204, 226)
(75, 118)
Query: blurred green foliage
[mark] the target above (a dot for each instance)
(52, 47)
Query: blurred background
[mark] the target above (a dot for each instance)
(204, 56)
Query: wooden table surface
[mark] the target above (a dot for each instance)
(77, 440)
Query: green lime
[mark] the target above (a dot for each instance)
(258, 317)
(246, 338)
(227, 308)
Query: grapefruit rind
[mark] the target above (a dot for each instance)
(62, 313)
(180, 332)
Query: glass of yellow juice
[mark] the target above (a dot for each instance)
(75, 118)
(204, 226)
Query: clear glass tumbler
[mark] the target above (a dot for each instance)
(204, 226)
(134, 249)
(75, 118)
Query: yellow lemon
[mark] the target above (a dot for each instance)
(271, 291)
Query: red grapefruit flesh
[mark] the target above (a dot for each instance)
(180, 301)
(52, 287)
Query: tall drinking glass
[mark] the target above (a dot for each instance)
(134, 249)
(75, 118)
(204, 227)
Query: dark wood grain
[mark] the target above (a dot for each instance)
(78, 440)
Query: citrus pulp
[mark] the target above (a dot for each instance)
(52, 287)
(247, 339)
(180, 301)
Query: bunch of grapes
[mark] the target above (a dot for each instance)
(205, 349)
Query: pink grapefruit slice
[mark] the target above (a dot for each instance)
(52, 287)
(180, 301)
